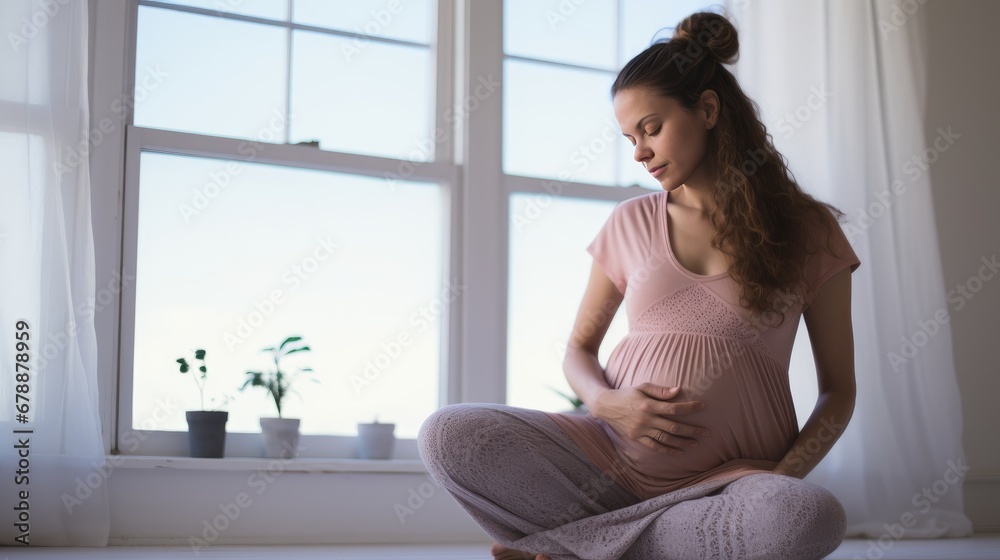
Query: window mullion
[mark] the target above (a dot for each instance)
(445, 133)
(484, 228)
(111, 97)
(443, 123)
(288, 71)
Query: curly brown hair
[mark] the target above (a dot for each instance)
(763, 218)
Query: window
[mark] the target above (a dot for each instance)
(284, 179)
(560, 136)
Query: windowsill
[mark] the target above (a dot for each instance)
(305, 465)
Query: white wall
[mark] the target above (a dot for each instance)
(963, 92)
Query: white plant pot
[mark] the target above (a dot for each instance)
(375, 441)
(281, 437)
(579, 411)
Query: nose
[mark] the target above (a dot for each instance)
(642, 152)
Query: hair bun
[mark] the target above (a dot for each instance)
(711, 32)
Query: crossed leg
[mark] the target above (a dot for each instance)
(756, 516)
(530, 487)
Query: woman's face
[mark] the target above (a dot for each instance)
(666, 135)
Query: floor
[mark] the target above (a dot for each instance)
(979, 547)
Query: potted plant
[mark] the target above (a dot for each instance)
(578, 406)
(281, 435)
(375, 440)
(206, 428)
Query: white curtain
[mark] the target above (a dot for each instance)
(53, 487)
(841, 87)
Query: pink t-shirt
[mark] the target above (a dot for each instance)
(688, 330)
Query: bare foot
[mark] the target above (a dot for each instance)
(501, 552)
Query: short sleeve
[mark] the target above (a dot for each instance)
(623, 242)
(823, 264)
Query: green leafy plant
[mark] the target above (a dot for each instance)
(277, 382)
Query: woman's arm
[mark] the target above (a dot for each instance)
(832, 335)
(642, 412)
(581, 366)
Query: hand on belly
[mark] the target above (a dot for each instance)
(724, 446)
(651, 417)
(748, 414)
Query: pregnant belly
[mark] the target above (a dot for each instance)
(748, 407)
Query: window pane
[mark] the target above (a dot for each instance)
(562, 31)
(407, 20)
(558, 123)
(221, 77)
(270, 9)
(234, 260)
(549, 269)
(19, 84)
(646, 20)
(378, 101)
(803, 380)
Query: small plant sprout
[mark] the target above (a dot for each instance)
(198, 379)
(277, 382)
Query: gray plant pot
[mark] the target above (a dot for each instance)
(281, 437)
(207, 433)
(375, 441)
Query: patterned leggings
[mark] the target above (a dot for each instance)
(531, 488)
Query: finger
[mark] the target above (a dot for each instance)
(658, 446)
(679, 429)
(660, 392)
(677, 408)
(673, 440)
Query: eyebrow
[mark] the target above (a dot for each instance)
(639, 124)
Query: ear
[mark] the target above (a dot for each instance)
(710, 107)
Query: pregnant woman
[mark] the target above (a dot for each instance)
(691, 447)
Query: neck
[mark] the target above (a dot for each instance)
(698, 191)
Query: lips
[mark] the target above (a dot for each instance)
(656, 170)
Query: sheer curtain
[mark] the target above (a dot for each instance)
(53, 486)
(841, 87)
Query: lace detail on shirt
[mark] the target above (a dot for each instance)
(692, 309)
